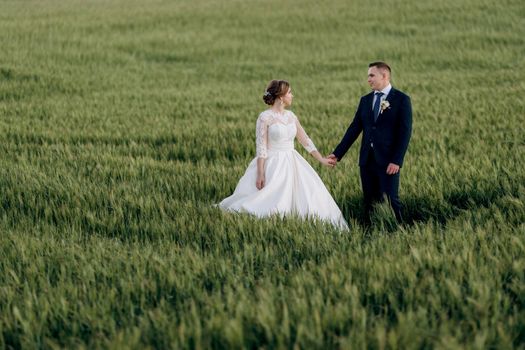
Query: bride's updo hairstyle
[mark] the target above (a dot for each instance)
(275, 89)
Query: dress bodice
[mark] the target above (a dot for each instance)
(281, 136)
(277, 131)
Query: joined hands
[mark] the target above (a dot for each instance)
(329, 161)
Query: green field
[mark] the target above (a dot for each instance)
(123, 122)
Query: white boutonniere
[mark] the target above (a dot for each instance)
(384, 105)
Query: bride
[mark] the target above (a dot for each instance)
(279, 180)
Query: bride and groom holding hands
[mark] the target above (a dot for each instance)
(280, 181)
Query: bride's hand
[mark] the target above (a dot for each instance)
(259, 183)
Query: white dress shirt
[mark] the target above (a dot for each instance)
(385, 92)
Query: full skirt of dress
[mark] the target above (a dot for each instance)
(292, 187)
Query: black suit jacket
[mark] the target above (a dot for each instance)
(389, 135)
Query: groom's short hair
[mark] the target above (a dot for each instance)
(380, 65)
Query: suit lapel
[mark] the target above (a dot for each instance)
(391, 95)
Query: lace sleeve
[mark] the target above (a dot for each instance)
(303, 137)
(261, 136)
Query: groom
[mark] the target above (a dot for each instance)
(385, 118)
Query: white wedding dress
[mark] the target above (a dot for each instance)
(291, 186)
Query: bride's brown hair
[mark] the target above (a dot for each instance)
(275, 89)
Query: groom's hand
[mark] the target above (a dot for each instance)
(392, 169)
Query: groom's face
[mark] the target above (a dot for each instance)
(377, 78)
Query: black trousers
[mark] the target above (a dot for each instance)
(376, 183)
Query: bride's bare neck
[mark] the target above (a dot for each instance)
(278, 109)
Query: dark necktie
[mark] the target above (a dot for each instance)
(377, 104)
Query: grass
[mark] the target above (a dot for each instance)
(123, 122)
